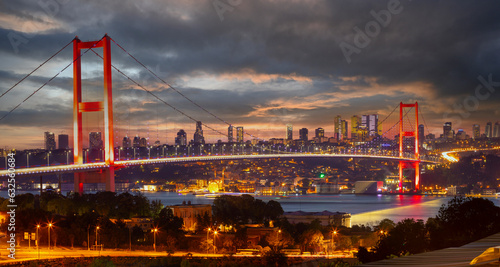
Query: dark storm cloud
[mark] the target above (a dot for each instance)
(444, 45)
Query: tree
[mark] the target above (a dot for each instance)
(409, 236)
(464, 220)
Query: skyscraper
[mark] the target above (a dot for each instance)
(239, 134)
(337, 123)
(289, 132)
(496, 129)
(344, 129)
(198, 134)
(488, 130)
(230, 134)
(447, 133)
(320, 132)
(95, 140)
(126, 142)
(181, 139)
(421, 134)
(136, 141)
(303, 133)
(476, 131)
(63, 141)
(50, 141)
(355, 123)
(370, 123)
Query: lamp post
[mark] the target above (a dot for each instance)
(154, 237)
(28, 159)
(48, 158)
(50, 225)
(208, 231)
(38, 240)
(215, 233)
(96, 230)
(334, 233)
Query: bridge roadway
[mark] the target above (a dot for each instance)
(88, 167)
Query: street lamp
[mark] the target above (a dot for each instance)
(215, 233)
(96, 230)
(48, 158)
(333, 235)
(208, 231)
(28, 159)
(38, 240)
(154, 236)
(50, 225)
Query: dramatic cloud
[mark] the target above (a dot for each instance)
(259, 64)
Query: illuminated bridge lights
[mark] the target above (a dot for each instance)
(123, 163)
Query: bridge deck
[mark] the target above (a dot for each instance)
(100, 165)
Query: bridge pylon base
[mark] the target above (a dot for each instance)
(106, 176)
(409, 165)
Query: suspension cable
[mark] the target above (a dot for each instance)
(29, 74)
(177, 91)
(47, 82)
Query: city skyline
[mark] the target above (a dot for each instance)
(210, 55)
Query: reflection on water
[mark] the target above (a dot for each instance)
(365, 209)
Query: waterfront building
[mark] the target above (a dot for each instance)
(325, 217)
(189, 212)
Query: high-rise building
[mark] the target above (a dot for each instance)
(50, 141)
(181, 139)
(239, 134)
(136, 141)
(476, 131)
(63, 141)
(230, 134)
(126, 142)
(421, 134)
(370, 123)
(496, 129)
(447, 132)
(488, 130)
(355, 123)
(303, 133)
(461, 135)
(198, 134)
(320, 132)
(344, 129)
(143, 142)
(95, 140)
(337, 123)
(289, 132)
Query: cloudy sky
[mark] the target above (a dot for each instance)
(257, 64)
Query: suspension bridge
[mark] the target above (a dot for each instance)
(400, 142)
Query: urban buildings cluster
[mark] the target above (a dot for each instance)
(362, 128)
